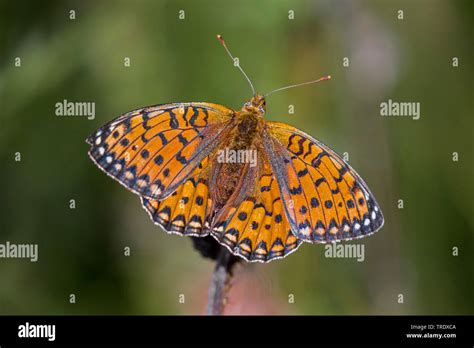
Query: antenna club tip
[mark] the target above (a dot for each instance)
(221, 39)
(328, 77)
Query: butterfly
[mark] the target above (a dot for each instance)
(260, 188)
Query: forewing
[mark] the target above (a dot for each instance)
(152, 151)
(326, 199)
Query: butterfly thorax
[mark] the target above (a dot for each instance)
(249, 123)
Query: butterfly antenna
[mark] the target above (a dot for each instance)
(324, 78)
(236, 62)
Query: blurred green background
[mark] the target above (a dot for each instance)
(81, 250)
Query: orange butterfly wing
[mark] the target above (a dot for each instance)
(255, 228)
(152, 150)
(185, 211)
(325, 199)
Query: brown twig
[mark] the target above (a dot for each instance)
(220, 282)
(209, 248)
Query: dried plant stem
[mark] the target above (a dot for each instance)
(220, 282)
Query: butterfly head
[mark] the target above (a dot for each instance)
(256, 105)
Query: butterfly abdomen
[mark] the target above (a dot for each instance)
(234, 157)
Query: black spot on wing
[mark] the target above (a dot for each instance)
(296, 190)
(163, 139)
(173, 120)
(182, 139)
(319, 181)
(316, 162)
(302, 173)
(180, 158)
